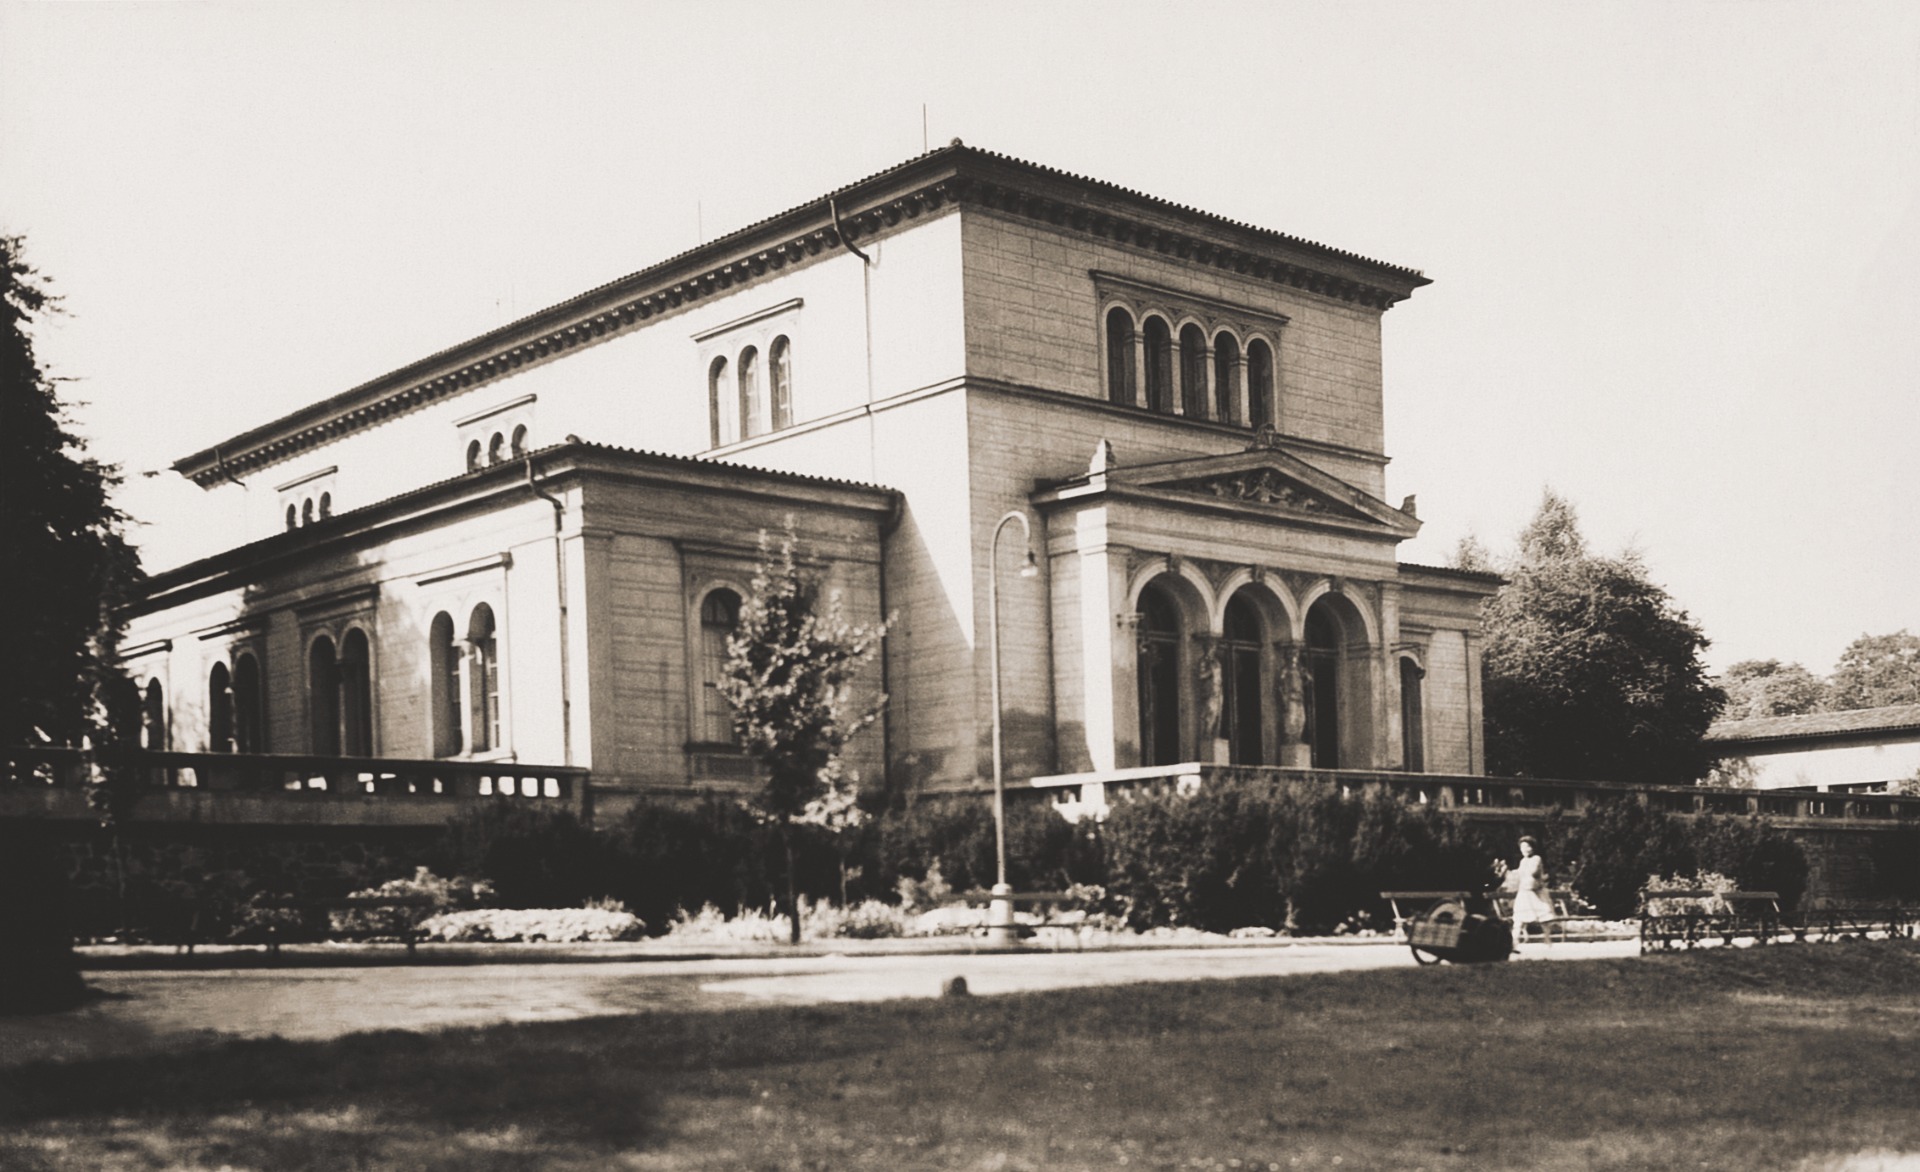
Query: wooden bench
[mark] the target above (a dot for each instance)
(1754, 914)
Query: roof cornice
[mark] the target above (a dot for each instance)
(953, 176)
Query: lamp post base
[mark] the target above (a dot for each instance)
(1002, 932)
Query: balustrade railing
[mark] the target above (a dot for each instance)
(297, 775)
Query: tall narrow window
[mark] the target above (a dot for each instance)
(445, 666)
(519, 442)
(306, 511)
(1159, 357)
(356, 695)
(496, 448)
(719, 401)
(719, 618)
(1159, 678)
(323, 699)
(1240, 678)
(1413, 732)
(780, 379)
(1260, 385)
(293, 517)
(483, 665)
(153, 718)
(753, 407)
(249, 705)
(326, 505)
(219, 710)
(1120, 376)
(1226, 377)
(1193, 373)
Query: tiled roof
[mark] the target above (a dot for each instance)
(1897, 718)
(1487, 576)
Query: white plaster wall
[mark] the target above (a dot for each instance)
(1845, 765)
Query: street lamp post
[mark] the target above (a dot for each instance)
(1001, 930)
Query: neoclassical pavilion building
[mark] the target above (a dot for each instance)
(531, 546)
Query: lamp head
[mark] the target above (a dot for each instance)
(1031, 569)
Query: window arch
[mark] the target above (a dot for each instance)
(780, 380)
(153, 717)
(518, 445)
(473, 456)
(1413, 731)
(306, 511)
(752, 395)
(483, 671)
(1160, 636)
(446, 665)
(1193, 372)
(1120, 373)
(1158, 345)
(323, 698)
(1226, 377)
(249, 705)
(719, 619)
(356, 694)
(717, 400)
(1241, 705)
(293, 517)
(326, 505)
(219, 710)
(1260, 385)
(496, 448)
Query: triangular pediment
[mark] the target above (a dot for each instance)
(1264, 480)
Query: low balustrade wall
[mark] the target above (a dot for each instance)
(273, 787)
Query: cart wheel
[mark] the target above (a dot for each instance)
(1422, 957)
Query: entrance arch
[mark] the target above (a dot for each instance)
(1337, 684)
(1162, 636)
(1242, 710)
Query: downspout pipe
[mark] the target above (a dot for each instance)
(560, 587)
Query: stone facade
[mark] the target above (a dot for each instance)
(1185, 412)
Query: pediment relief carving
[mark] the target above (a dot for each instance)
(1266, 486)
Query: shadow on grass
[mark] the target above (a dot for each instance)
(1663, 1042)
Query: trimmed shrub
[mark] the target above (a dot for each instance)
(557, 925)
(1756, 856)
(663, 858)
(439, 896)
(532, 857)
(1615, 846)
(1045, 852)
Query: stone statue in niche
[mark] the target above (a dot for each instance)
(1212, 693)
(1293, 694)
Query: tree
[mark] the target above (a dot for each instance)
(1767, 687)
(791, 669)
(61, 534)
(1876, 671)
(1591, 672)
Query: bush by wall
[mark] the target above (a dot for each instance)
(1044, 851)
(1612, 849)
(532, 857)
(1756, 856)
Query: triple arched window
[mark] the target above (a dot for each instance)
(749, 393)
(499, 447)
(1219, 370)
(464, 669)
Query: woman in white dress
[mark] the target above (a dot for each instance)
(1530, 902)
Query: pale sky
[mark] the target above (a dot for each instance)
(1674, 246)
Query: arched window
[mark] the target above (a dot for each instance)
(780, 378)
(1413, 731)
(1321, 680)
(1159, 358)
(473, 456)
(306, 511)
(445, 667)
(1260, 385)
(483, 669)
(1159, 678)
(1193, 373)
(323, 699)
(326, 505)
(293, 517)
(718, 400)
(356, 695)
(219, 710)
(123, 710)
(753, 407)
(153, 718)
(496, 448)
(1226, 377)
(1240, 708)
(1120, 376)
(719, 619)
(519, 443)
(249, 705)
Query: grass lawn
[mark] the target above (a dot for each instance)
(1784, 1057)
